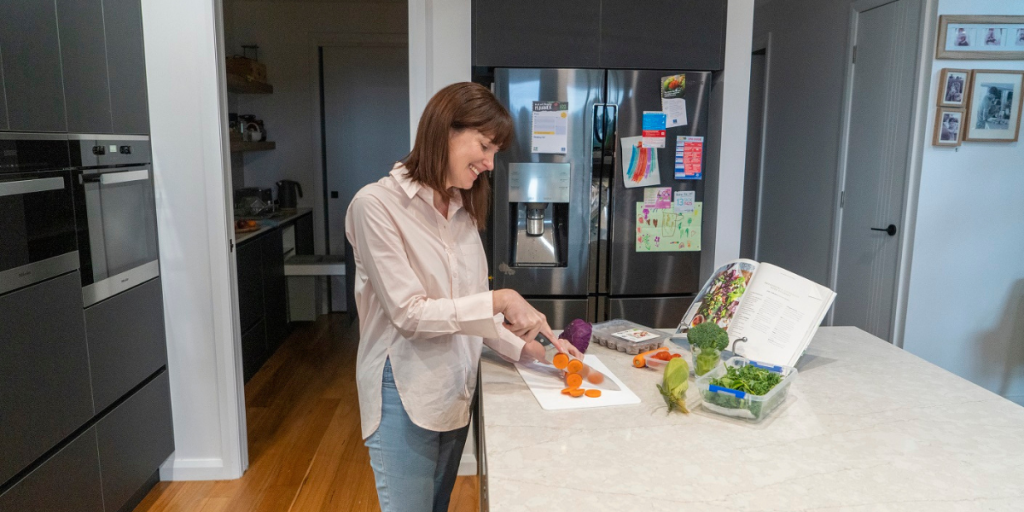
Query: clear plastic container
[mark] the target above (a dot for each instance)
(628, 337)
(658, 364)
(737, 404)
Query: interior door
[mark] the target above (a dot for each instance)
(365, 129)
(878, 150)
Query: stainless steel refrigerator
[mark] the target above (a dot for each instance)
(564, 224)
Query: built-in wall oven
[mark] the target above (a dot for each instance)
(37, 214)
(117, 236)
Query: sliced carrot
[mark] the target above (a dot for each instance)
(574, 366)
(595, 377)
(593, 393)
(573, 380)
(576, 392)
(567, 390)
(560, 361)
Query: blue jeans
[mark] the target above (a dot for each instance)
(415, 468)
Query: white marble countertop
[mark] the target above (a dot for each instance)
(866, 426)
(269, 224)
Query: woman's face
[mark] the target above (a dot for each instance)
(469, 154)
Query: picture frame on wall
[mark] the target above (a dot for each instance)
(953, 84)
(980, 37)
(949, 124)
(993, 114)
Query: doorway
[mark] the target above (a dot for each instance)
(364, 97)
(874, 164)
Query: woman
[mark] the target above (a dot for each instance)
(423, 300)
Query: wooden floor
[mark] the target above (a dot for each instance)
(305, 448)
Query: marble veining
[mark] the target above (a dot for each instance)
(866, 427)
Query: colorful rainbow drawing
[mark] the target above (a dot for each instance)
(641, 164)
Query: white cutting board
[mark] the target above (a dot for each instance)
(546, 383)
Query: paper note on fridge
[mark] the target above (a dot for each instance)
(664, 230)
(639, 164)
(672, 102)
(654, 129)
(550, 127)
(777, 311)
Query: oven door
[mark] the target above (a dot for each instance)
(117, 240)
(37, 228)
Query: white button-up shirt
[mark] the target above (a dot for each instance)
(422, 294)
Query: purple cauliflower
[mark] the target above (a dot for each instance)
(578, 333)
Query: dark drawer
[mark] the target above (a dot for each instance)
(127, 343)
(67, 482)
(44, 370)
(134, 439)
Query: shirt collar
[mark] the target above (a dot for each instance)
(414, 188)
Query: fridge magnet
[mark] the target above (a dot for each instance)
(650, 196)
(948, 124)
(980, 37)
(683, 201)
(672, 102)
(663, 198)
(654, 129)
(689, 158)
(994, 111)
(639, 164)
(664, 230)
(550, 127)
(953, 87)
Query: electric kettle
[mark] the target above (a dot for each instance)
(286, 194)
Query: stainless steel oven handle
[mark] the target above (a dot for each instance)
(123, 177)
(14, 188)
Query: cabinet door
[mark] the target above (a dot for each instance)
(254, 350)
(3, 97)
(134, 439)
(44, 370)
(536, 33)
(126, 62)
(127, 342)
(663, 34)
(32, 70)
(250, 284)
(275, 301)
(304, 235)
(84, 58)
(69, 481)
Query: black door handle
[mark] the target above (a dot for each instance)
(891, 230)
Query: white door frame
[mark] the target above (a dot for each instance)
(925, 11)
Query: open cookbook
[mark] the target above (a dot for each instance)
(777, 311)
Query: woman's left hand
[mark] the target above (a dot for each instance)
(533, 351)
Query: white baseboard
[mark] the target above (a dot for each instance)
(467, 466)
(196, 469)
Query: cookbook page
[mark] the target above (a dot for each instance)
(719, 299)
(780, 313)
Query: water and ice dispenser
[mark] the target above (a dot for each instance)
(538, 201)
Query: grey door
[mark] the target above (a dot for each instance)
(365, 129)
(632, 273)
(32, 70)
(876, 168)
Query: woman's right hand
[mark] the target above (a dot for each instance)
(526, 322)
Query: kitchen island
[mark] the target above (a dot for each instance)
(866, 426)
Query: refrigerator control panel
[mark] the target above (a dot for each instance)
(539, 183)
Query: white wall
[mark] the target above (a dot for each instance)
(440, 45)
(965, 303)
(187, 122)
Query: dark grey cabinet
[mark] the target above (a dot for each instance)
(44, 370)
(127, 342)
(31, 66)
(83, 54)
(126, 66)
(3, 96)
(304, 235)
(67, 482)
(536, 33)
(275, 291)
(655, 34)
(250, 283)
(254, 350)
(134, 439)
(663, 34)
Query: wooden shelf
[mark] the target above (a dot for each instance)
(241, 85)
(251, 146)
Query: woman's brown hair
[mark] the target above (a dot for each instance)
(458, 107)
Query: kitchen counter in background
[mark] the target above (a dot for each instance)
(866, 426)
(269, 224)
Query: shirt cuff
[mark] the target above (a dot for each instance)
(475, 314)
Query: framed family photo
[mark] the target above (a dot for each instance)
(948, 127)
(980, 37)
(953, 87)
(993, 114)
